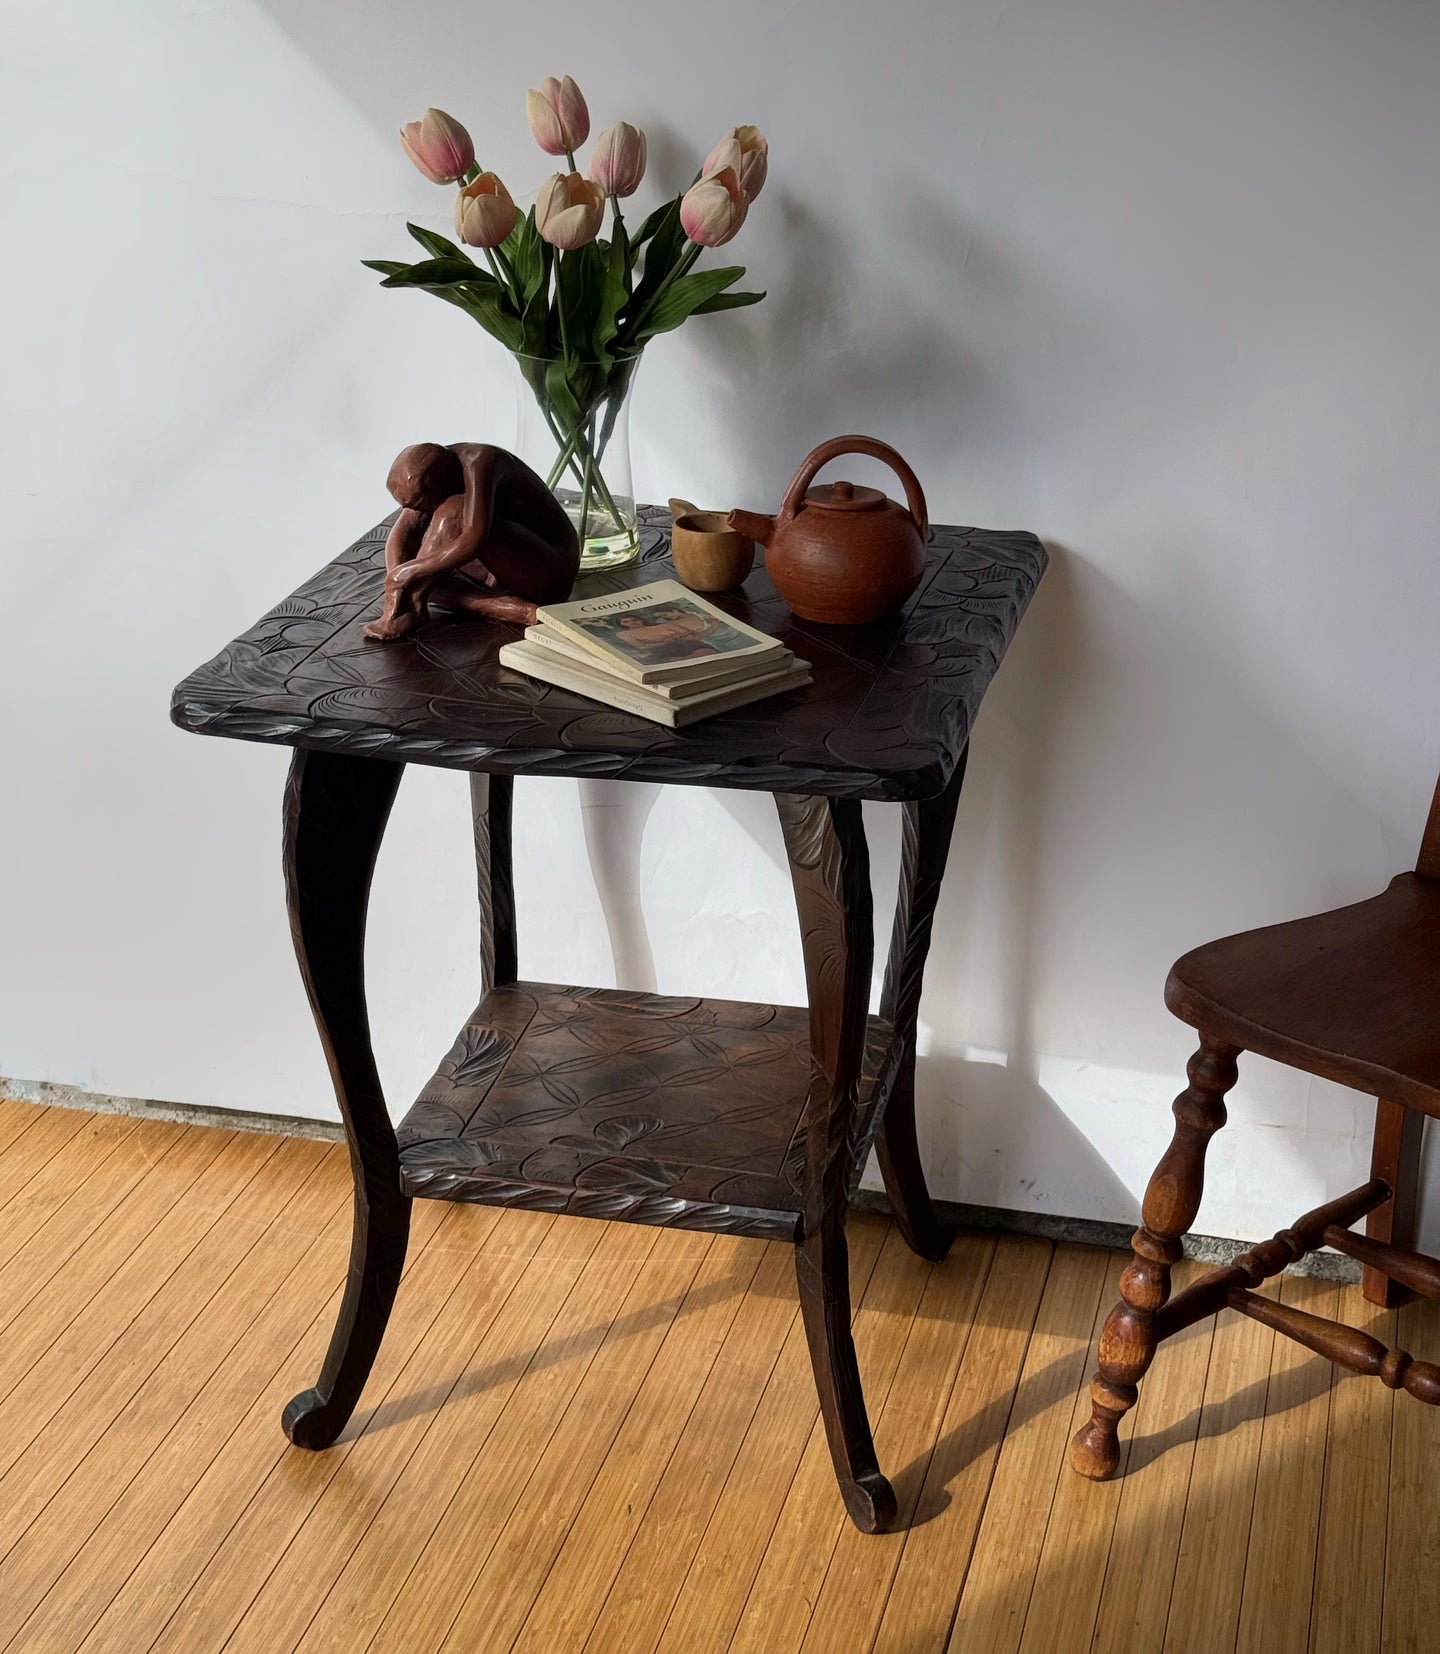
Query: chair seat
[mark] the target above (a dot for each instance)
(1352, 995)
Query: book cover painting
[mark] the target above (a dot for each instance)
(664, 633)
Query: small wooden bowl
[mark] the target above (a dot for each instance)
(708, 554)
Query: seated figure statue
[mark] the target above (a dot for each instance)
(478, 532)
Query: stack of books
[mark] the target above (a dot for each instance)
(658, 651)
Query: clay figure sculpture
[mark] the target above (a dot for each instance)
(478, 533)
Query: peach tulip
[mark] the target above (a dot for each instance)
(569, 210)
(745, 150)
(484, 212)
(439, 146)
(714, 209)
(558, 116)
(617, 163)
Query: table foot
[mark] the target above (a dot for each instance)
(870, 1503)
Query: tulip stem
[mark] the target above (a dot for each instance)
(505, 274)
(560, 312)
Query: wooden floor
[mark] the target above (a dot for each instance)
(587, 1436)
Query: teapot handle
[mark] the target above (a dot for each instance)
(837, 445)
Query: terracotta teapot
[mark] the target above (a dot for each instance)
(840, 554)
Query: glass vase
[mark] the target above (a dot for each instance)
(572, 427)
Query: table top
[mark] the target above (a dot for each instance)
(887, 716)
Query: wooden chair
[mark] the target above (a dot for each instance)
(1353, 996)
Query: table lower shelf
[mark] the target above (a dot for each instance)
(633, 1107)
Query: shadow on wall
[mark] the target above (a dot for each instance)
(1124, 803)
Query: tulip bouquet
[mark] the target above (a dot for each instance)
(574, 307)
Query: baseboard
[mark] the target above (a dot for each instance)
(185, 1114)
(1330, 1266)
(1213, 1249)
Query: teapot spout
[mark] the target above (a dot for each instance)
(753, 525)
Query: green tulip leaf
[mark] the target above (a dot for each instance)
(437, 246)
(662, 253)
(441, 272)
(654, 221)
(614, 293)
(682, 298)
(494, 316)
(579, 277)
(527, 255)
(726, 301)
(386, 266)
(563, 401)
(535, 317)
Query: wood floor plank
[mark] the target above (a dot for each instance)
(776, 1612)
(1350, 1556)
(1215, 1533)
(713, 1595)
(423, 1611)
(1065, 1593)
(45, 1138)
(669, 1534)
(53, 1373)
(641, 1386)
(92, 1209)
(1140, 1572)
(220, 1499)
(1412, 1547)
(664, 1465)
(31, 1206)
(246, 1392)
(50, 1289)
(89, 1476)
(271, 1529)
(1284, 1523)
(286, 1606)
(124, 1373)
(852, 1596)
(16, 1118)
(1031, 1459)
(919, 1597)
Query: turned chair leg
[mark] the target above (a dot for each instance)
(1395, 1158)
(1127, 1344)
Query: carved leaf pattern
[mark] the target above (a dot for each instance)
(603, 1117)
(887, 716)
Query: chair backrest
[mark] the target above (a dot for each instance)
(1429, 862)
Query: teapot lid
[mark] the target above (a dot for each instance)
(844, 496)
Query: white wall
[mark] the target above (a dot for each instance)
(1154, 280)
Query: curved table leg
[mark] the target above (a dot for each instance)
(335, 814)
(926, 845)
(825, 841)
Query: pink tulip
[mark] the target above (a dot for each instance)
(569, 210)
(558, 116)
(714, 209)
(484, 212)
(439, 146)
(745, 150)
(617, 163)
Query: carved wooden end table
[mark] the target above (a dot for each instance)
(748, 1119)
